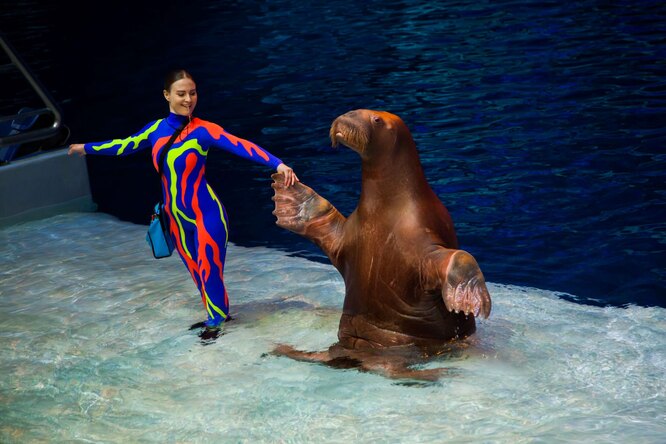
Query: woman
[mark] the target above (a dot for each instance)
(198, 218)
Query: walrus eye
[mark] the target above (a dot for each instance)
(376, 120)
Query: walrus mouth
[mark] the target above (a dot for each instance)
(346, 133)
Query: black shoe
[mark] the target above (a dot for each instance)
(208, 335)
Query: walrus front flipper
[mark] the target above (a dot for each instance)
(300, 210)
(457, 275)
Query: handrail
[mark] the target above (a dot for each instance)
(51, 106)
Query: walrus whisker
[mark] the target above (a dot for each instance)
(350, 136)
(358, 138)
(333, 134)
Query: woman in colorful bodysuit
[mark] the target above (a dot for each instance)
(198, 218)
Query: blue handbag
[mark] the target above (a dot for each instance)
(159, 235)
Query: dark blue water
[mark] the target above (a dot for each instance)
(541, 125)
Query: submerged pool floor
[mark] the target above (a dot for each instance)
(96, 346)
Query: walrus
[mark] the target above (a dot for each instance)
(407, 284)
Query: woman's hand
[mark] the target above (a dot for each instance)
(290, 177)
(76, 148)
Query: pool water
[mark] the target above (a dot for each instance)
(96, 346)
(540, 125)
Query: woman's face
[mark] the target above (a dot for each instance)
(182, 97)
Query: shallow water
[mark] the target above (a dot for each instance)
(95, 346)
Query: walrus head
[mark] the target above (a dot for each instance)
(363, 130)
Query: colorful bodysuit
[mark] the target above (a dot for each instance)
(198, 218)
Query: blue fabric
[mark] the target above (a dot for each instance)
(18, 125)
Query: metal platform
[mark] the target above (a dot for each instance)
(44, 185)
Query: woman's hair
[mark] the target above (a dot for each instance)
(174, 76)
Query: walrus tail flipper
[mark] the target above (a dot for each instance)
(334, 357)
(301, 210)
(458, 276)
(291, 352)
(400, 370)
(339, 358)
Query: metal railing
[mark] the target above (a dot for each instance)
(50, 104)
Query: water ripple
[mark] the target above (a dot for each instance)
(540, 125)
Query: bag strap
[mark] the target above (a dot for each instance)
(167, 146)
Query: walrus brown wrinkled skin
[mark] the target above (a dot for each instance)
(407, 284)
